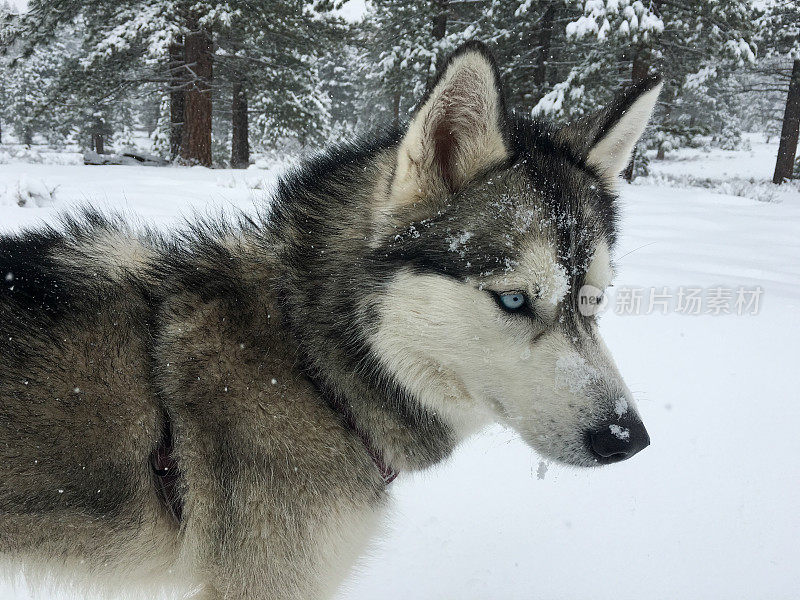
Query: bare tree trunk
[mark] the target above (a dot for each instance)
(240, 145)
(545, 48)
(98, 143)
(639, 70)
(199, 64)
(668, 100)
(440, 19)
(396, 108)
(789, 133)
(439, 25)
(641, 64)
(177, 98)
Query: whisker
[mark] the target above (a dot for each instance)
(634, 250)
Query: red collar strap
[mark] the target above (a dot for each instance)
(167, 474)
(388, 474)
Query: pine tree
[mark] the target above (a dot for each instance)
(530, 39)
(404, 54)
(6, 23)
(197, 52)
(97, 72)
(29, 103)
(269, 59)
(222, 77)
(198, 47)
(781, 27)
(690, 44)
(411, 38)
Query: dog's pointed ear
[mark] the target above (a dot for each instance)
(606, 138)
(457, 131)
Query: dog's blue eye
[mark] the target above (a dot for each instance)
(512, 301)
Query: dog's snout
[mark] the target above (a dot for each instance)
(618, 440)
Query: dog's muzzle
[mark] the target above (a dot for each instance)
(617, 439)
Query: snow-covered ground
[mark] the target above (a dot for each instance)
(709, 511)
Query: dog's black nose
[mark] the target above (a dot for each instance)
(618, 439)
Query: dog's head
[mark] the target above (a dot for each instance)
(500, 233)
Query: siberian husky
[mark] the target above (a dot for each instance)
(225, 407)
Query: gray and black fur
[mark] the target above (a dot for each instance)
(249, 348)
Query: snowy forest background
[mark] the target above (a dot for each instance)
(248, 87)
(223, 83)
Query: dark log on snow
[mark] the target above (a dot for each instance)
(126, 158)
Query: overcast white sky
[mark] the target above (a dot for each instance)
(353, 10)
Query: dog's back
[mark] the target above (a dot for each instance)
(79, 415)
(108, 340)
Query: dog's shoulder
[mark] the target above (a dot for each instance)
(216, 263)
(80, 266)
(218, 326)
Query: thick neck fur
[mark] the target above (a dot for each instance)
(324, 233)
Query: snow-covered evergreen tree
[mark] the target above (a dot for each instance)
(7, 17)
(690, 44)
(270, 57)
(530, 39)
(288, 73)
(409, 40)
(266, 51)
(30, 105)
(780, 27)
